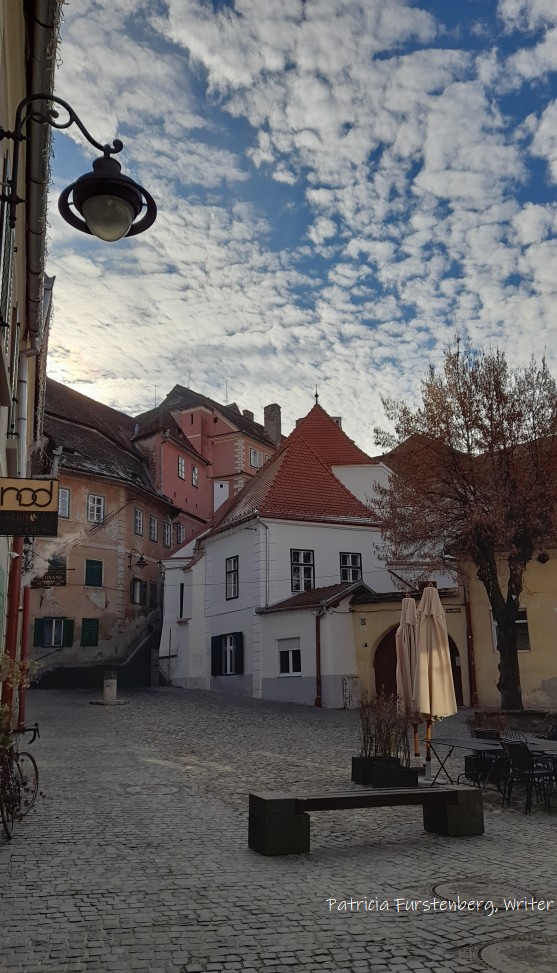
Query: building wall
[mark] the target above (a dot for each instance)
(538, 666)
(360, 480)
(122, 622)
(183, 657)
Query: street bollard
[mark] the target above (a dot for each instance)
(109, 687)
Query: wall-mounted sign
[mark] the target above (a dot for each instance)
(51, 579)
(452, 611)
(28, 507)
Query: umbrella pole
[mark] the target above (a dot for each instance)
(428, 750)
(416, 741)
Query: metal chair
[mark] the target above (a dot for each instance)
(484, 766)
(551, 733)
(515, 736)
(536, 773)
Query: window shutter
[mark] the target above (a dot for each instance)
(38, 636)
(239, 653)
(216, 655)
(67, 634)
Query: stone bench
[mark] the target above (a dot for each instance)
(279, 823)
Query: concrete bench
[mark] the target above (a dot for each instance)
(279, 823)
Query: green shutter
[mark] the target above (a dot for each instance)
(67, 633)
(216, 655)
(38, 636)
(239, 653)
(94, 573)
(89, 631)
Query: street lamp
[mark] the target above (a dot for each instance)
(141, 563)
(104, 203)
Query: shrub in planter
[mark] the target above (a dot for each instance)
(384, 760)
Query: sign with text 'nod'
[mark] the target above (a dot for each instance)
(28, 507)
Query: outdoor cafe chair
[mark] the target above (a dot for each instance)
(485, 765)
(536, 773)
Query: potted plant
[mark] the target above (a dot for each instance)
(384, 761)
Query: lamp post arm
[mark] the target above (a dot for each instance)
(46, 117)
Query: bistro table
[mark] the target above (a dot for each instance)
(461, 743)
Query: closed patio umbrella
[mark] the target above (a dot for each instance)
(434, 693)
(407, 657)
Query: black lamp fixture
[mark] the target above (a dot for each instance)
(104, 203)
(141, 563)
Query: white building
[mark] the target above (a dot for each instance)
(261, 604)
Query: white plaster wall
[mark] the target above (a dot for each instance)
(288, 625)
(338, 656)
(361, 480)
(182, 645)
(327, 541)
(243, 542)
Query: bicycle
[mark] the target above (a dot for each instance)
(19, 781)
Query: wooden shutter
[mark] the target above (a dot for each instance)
(239, 653)
(67, 633)
(216, 655)
(38, 635)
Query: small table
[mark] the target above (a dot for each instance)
(461, 743)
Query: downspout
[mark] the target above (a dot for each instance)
(266, 558)
(318, 616)
(470, 648)
(23, 372)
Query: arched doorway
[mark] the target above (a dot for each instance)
(384, 664)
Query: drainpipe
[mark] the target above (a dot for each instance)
(470, 648)
(23, 371)
(318, 616)
(266, 557)
(24, 653)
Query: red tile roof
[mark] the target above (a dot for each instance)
(328, 596)
(327, 439)
(297, 482)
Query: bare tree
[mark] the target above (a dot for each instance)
(475, 467)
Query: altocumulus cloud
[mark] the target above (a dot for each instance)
(342, 186)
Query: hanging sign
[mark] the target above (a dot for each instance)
(28, 507)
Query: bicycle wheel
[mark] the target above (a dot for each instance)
(28, 779)
(9, 797)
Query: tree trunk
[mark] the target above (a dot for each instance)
(509, 671)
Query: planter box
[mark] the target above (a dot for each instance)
(373, 772)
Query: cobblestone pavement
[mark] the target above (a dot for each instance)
(136, 857)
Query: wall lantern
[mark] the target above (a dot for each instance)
(103, 203)
(141, 563)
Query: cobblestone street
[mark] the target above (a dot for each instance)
(136, 857)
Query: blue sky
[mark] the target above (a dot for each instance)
(342, 187)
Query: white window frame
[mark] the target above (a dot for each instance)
(180, 533)
(302, 562)
(181, 468)
(350, 567)
(287, 648)
(153, 528)
(56, 632)
(167, 534)
(139, 592)
(228, 655)
(232, 571)
(95, 508)
(138, 521)
(64, 502)
(256, 458)
(195, 476)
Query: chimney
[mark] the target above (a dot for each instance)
(248, 415)
(271, 422)
(337, 420)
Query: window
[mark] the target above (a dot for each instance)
(302, 570)
(195, 476)
(63, 502)
(166, 534)
(153, 594)
(180, 534)
(231, 578)
(256, 458)
(94, 573)
(89, 631)
(138, 521)
(53, 632)
(350, 567)
(227, 654)
(181, 468)
(289, 655)
(139, 592)
(95, 509)
(522, 633)
(153, 528)
(181, 609)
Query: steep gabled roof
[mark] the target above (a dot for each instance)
(295, 484)
(181, 397)
(328, 441)
(160, 419)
